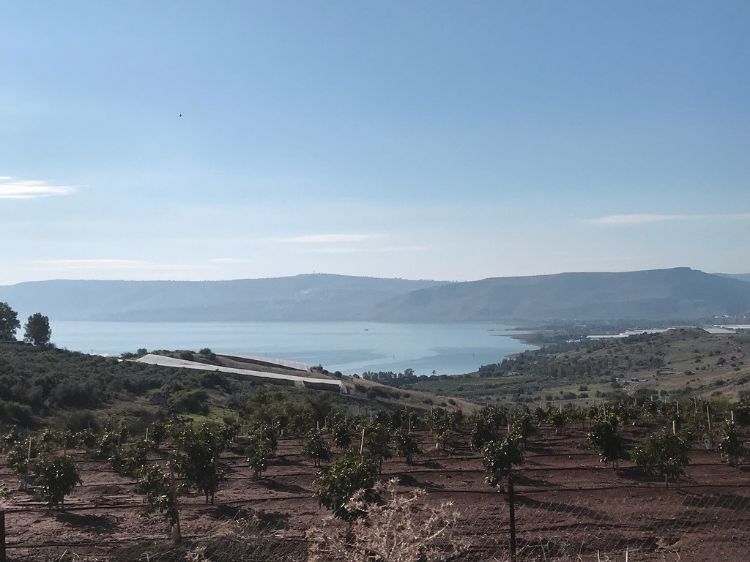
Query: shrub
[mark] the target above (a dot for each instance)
(403, 527)
(190, 402)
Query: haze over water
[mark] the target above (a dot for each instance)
(349, 347)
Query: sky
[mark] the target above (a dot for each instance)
(419, 139)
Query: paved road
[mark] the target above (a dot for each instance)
(163, 361)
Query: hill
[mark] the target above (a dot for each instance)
(664, 294)
(52, 387)
(740, 276)
(302, 297)
(680, 294)
(679, 363)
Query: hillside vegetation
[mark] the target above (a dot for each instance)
(50, 387)
(680, 362)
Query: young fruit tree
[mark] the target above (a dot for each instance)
(663, 454)
(338, 483)
(499, 457)
(557, 419)
(377, 440)
(197, 457)
(482, 433)
(55, 478)
(261, 447)
(731, 446)
(342, 435)
(160, 494)
(316, 447)
(406, 445)
(609, 444)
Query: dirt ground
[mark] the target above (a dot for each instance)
(568, 506)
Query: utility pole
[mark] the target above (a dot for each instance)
(512, 506)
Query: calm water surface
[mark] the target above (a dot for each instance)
(350, 347)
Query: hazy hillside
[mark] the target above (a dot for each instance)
(679, 293)
(302, 297)
(669, 294)
(740, 276)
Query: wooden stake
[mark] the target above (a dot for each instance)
(674, 427)
(362, 443)
(2, 537)
(512, 505)
(28, 462)
(708, 417)
(176, 530)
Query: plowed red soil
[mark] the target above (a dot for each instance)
(568, 507)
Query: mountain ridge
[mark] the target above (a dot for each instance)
(677, 293)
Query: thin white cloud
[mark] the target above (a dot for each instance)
(330, 238)
(113, 264)
(650, 218)
(13, 188)
(356, 250)
(103, 263)
(230, 260)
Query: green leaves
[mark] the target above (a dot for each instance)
(37, 330)
(8, 322)
(159, 495)
(406, 445)
(335, 486)
(261, 447)
(604, 438)
(316, 447)
(55, 478)
(500, 456)
(663, 454)
(196, 456)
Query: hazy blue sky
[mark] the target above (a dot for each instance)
(452, 140)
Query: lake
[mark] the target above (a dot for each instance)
(349, 347)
